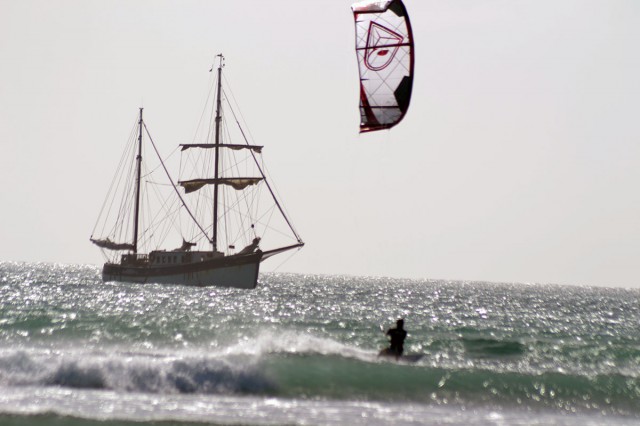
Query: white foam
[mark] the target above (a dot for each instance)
(293, 342)
(131, 372)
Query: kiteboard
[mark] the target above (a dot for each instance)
(386, 353)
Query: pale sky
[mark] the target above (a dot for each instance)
(518, 160)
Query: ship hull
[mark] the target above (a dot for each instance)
(239, 271)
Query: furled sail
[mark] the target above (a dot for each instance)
(384, 47)
(235, 183)
(110, 245)
(255, 148)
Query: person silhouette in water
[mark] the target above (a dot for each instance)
(396, 336)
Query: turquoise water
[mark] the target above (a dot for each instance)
(302, 349)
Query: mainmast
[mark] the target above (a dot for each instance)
(138, 170)
(214, 239)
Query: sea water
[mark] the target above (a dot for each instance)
(302, 350)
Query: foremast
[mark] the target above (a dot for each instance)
(132, 247)
(138, 173)
(214, 238)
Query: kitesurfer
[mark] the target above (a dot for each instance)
(396, 335)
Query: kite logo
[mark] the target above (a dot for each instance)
(382, 45)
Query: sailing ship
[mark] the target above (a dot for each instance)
(228, 191)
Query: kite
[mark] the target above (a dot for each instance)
(384, 47)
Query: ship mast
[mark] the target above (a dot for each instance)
(214, 239)
(138, 171)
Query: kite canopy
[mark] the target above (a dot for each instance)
(384, 47)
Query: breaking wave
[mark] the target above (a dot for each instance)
(294, 365)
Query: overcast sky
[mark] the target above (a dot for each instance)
(517, 161)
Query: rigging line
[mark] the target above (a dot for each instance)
(251, 200)
(146, 222)
(231, 216)
(154, 221)
(115, 225)
(123, 212)
(162, 229)
(171, 180)
(128, 176)
(209, 129)
(275, 187)
(241, 217)
(235, 102)
(265, 179)
(144, 214)
(124, 182)
(168, 221)
(255, 203)
(235, 210)
(204, 109)
(227, 219)
(165, 223)
(117, 178)
(288, 258)
(188, 161)
(268, 220)
(158, 166)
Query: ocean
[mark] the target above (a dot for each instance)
(302, 350)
